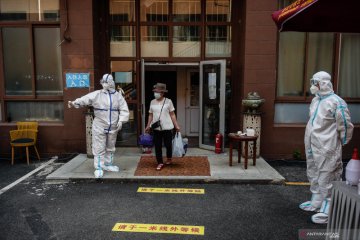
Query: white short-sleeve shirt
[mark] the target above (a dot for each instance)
(165, 119)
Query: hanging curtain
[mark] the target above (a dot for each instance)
(349, 73)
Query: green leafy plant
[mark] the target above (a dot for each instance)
(297, 154)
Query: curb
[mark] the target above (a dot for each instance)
(168, 181)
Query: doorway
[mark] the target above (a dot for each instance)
(155, 76)
(198, 94)
(175, 76)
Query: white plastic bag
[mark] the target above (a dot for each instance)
(178, 146)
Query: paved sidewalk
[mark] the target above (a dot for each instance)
(81, 168)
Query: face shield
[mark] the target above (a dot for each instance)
(107, 82)
(321, 81)
(319, 77)
(314, 81)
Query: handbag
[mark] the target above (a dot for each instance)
(158, 123)
(146, 140)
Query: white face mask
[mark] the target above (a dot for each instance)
(314, 89)
(111, 84)
(105, 86)
(157, 95)
(108, 85)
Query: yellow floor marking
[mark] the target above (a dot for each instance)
(297, 183)
(171, 190)
(159, 228)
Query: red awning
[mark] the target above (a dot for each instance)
(319, 16)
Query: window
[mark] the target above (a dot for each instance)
(218, 10)
(182, 28)
(218, 29)
(17, 52)
(349, 71)
(48, 66)
(218, 41)
(187, 32)
(122, 10)
(122, 28)
(154, 31)
(217, 33)
(186, 41)
(124, 76)
(154, 10)
(29, 10)
(154, 41)
(122, 41)
(33, 91)
(157, 33)
(300, 55)
(186, 10)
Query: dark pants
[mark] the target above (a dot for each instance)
(159, 136)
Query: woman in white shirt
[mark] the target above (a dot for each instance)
(162, 109)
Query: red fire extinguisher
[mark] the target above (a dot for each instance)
(218, 143)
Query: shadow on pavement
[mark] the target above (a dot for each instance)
(295, 170)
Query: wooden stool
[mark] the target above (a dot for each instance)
(239, 138)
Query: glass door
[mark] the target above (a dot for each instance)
(143, 107)
(212, 102)
(192, 108)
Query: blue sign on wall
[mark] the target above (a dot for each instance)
(77, 80)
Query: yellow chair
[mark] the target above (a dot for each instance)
(24, 136)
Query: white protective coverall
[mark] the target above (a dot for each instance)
(111, 111)
(328, 129)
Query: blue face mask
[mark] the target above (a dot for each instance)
(157, 95)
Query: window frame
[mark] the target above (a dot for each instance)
(304, 98)
(137, 24)
(31, 25)
(335, 74)
(33, 96)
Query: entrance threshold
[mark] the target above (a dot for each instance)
(81, 168)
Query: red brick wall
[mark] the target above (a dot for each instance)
(260, 65)
(78, 56)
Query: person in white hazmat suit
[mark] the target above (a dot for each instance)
(328, 129)
(111, 111)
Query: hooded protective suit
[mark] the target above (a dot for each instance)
(328, 129)
(110, 110)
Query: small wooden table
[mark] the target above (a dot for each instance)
(242, 138)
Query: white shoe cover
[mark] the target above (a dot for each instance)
(323, 216)
(99, 173)
(320, 218)
(111, 168)
(306, 206)
(314, 204)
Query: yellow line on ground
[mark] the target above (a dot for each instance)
(297, 183)
(171, 190)
(159, 228)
